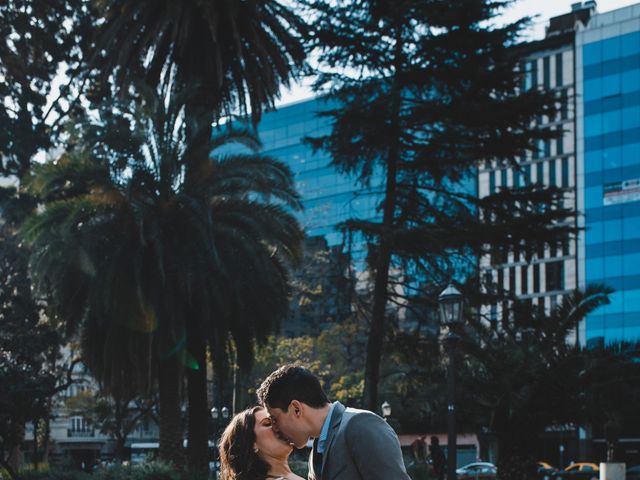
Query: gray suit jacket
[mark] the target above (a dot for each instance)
(360, 446)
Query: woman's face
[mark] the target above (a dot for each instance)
(267, 442)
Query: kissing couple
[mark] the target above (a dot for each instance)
(348, 444)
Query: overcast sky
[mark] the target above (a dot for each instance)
(545, 9)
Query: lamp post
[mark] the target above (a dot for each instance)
(450, 301)
(386, 410)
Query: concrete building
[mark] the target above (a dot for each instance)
(548, 63)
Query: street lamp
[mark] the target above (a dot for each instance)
(450, 301)
(386, 410)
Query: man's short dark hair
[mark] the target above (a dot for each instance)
(288, 383)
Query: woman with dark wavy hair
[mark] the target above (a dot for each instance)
(250, 449)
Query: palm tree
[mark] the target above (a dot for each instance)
(236, 53)
(136, 253)
(234, 56)
(524, 377)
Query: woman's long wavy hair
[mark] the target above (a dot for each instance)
(238, 460)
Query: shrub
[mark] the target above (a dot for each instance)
(53, 474)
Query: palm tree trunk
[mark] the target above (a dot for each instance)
(198, 448)
(46, 438)
(383, 259)
(16, 438)
(199, 114)
(118, 452)
(170, 423)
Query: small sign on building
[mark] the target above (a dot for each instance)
(622, 192)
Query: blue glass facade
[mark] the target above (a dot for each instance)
(329, 198)
(611, 96)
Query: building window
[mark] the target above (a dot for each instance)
(552, 173)
(503, 179)
(560, 142)
(492, 182)
(527, 174)
(546, 72)
(512, 280)
(554, 276)
(524, 279)
(79, 424)
(559, 79)
(565, 172)
(547, 148)
(500, 280)
(540, 173)
(536, 278)
(534, 73)
(564, 105)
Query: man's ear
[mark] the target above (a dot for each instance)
(296, 407)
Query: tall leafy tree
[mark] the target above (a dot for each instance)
(427, 89)
(233, 55)
(29, 342)
(39, 60)
(136, 253)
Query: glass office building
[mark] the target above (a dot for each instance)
(329, 198)
(608, 143)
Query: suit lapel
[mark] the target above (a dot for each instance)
(336, 419)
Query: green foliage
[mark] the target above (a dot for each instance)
(32, 57)
(609, 386)
(526, 377)
(412, 84)
(151, 242)
(146, 471)
(53, 474)
(336, 356)
(152, 247)
(299, 467)
(254, 48)
(29, 341)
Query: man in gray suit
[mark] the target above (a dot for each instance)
(349, 444)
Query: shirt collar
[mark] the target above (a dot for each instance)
(324, 433)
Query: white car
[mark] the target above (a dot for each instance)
(477, 470)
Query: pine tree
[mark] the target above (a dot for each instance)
(426, 90)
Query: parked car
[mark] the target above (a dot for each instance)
(545, 470)
(633, 473)
(580, 471)
(477, 471)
